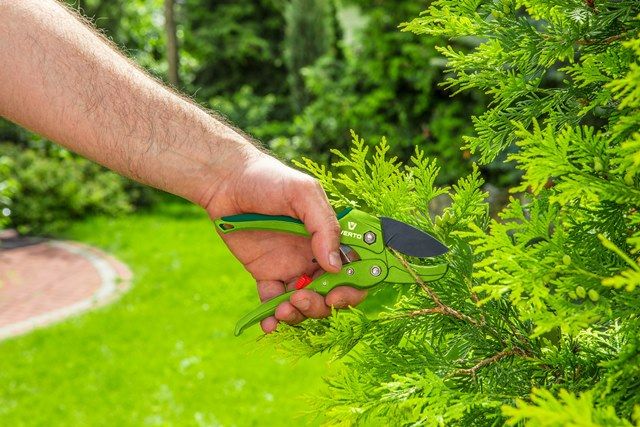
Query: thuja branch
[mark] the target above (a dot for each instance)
(442, 307)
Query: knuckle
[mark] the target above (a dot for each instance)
(333, 226)
(334, 301)
(268, 290)
(310, 184)
(302, 189)
(340, 303)
(283, 311)
(313, 182)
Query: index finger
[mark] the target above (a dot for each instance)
(345, 296)
(313, 208)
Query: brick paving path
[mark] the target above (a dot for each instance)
(43, 281)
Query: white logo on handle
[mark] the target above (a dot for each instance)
(352, 225)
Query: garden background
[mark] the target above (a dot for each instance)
(535, 99)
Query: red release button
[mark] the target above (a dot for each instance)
(303, 281)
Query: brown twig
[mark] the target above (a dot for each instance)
(474, 298)
(587, 42)
(489, 360)
(426, 311)
(443, 308)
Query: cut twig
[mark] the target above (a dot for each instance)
(444, 309)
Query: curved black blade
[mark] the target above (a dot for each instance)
(409, 240)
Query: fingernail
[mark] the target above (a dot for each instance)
(334, 259)
(303, 304)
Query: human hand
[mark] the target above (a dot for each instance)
(275, 260)
(143, 130)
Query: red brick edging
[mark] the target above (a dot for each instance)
(47, 281)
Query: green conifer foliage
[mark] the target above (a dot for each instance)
(538, 320)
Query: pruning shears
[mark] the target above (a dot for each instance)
(366, 242)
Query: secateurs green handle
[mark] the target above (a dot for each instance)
(367, 261)
(322, 285)
(355, 225)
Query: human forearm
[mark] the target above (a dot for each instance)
(60, 79)
(63, 81)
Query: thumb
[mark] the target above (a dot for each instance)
(313, 208)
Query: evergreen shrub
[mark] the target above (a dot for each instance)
(309, 34)
(384, 82)
(538, 320)
(52, 187)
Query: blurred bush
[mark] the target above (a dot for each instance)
(224, 45)
(135, 25)
(50, 187)
(229, 44)
(382, 82)
(309, 34)
(7, 189)
(249, 112)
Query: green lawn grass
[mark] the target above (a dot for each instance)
(164, 354)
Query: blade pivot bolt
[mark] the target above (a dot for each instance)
(369, 237)
(350, 271)
(376, 271)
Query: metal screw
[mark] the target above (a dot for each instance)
(375, 271)
(350, 271)
(369, 237)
